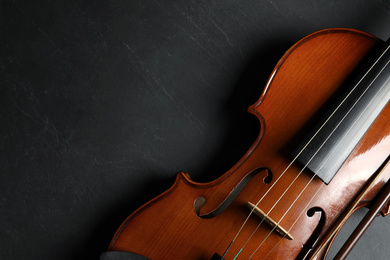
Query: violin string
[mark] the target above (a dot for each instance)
(296, 220)
(323, 163)
(251, 212)
(267, 214)
(353, 89)
(258, 226)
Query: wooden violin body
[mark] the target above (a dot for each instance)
(195, 221)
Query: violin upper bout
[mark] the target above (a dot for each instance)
(323, 56)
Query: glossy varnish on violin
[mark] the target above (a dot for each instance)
(168, 227)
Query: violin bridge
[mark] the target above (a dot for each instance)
(270, 221)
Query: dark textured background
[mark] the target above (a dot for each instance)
(103, 102)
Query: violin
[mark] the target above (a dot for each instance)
(322, 152)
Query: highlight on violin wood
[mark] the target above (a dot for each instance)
(324, 138)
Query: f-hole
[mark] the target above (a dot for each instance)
(201, 201)
(314, 236)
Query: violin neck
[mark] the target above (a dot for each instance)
(347, 117)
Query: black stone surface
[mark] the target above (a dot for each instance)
(103, 102)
